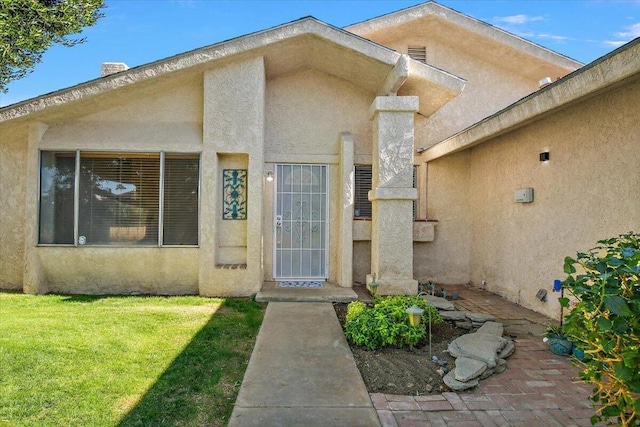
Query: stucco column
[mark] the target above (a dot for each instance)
(33, 281)
(392, 195)
(345, 257)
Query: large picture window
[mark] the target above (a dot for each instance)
(124, 199)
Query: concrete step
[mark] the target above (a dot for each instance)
(330, 292)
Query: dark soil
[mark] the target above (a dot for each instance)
(405, 371)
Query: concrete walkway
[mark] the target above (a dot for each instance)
(302, 373)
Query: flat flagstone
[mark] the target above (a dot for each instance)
(483, 347)
(480, 317)
(468, 369)
(536, 384)
(508, 350)
(491, 328)
(439, 302)
(453, 384)
(453, 315)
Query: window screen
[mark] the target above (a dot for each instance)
(180, 212)
(362, 205)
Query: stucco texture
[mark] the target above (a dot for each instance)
(168, 119)
(171, 271)
(13, 155)
(588, 191)
(306, 112)
(489, 87)
(446, 259)
(233, 128)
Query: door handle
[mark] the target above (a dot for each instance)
(278, 221)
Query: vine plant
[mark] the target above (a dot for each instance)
(605, 324)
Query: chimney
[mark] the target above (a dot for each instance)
(112, 68)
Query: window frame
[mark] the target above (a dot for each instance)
(416, 185)
(76, 208)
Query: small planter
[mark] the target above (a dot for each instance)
(560, 346)
(580, 355)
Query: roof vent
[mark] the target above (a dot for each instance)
(545, 82)
(418, 53)
(112, 68)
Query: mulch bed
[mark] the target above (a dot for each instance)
(405, 371)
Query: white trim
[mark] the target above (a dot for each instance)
(274, 231)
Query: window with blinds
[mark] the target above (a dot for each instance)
(119, 199)
(180, 204)
(418, 53)
(361, 203)
(362, 186)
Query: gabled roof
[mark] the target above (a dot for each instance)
(603, 74)
(305, 43)
(434, 21)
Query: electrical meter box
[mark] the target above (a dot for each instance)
(524, 195)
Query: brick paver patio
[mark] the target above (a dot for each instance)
(537, 389)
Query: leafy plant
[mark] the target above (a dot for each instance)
(387, 323)
(29, 27)
(605, 324)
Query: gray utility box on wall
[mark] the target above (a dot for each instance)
(524, 195)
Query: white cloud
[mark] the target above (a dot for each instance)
(553, 37)
(613, 43)
(632, 31)
(517, 19)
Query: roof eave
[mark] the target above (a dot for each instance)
(474, 25)
(201, 56)
(604, 73)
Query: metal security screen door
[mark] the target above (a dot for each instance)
(301, 226)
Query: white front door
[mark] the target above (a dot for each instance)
(301, 222)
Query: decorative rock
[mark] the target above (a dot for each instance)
(480, 317)
(439, 303)
(507, 350)
(468, 369)
(491, 328)
(453, 315)
(456, 385)
(483, 347)
(465, 324)
(501, 366)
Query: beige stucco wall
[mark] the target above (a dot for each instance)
(86, 270)
(13, 157)
(167, 119)
(446, 259)
(306, 112)
(233, 129)
(489, 88)
(588, 191)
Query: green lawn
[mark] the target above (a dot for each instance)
(122, 361)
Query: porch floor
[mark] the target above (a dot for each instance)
(330, 292)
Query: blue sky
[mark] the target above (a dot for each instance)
(141, 31)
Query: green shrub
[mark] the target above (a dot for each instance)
(387, 323)
(605, 324)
